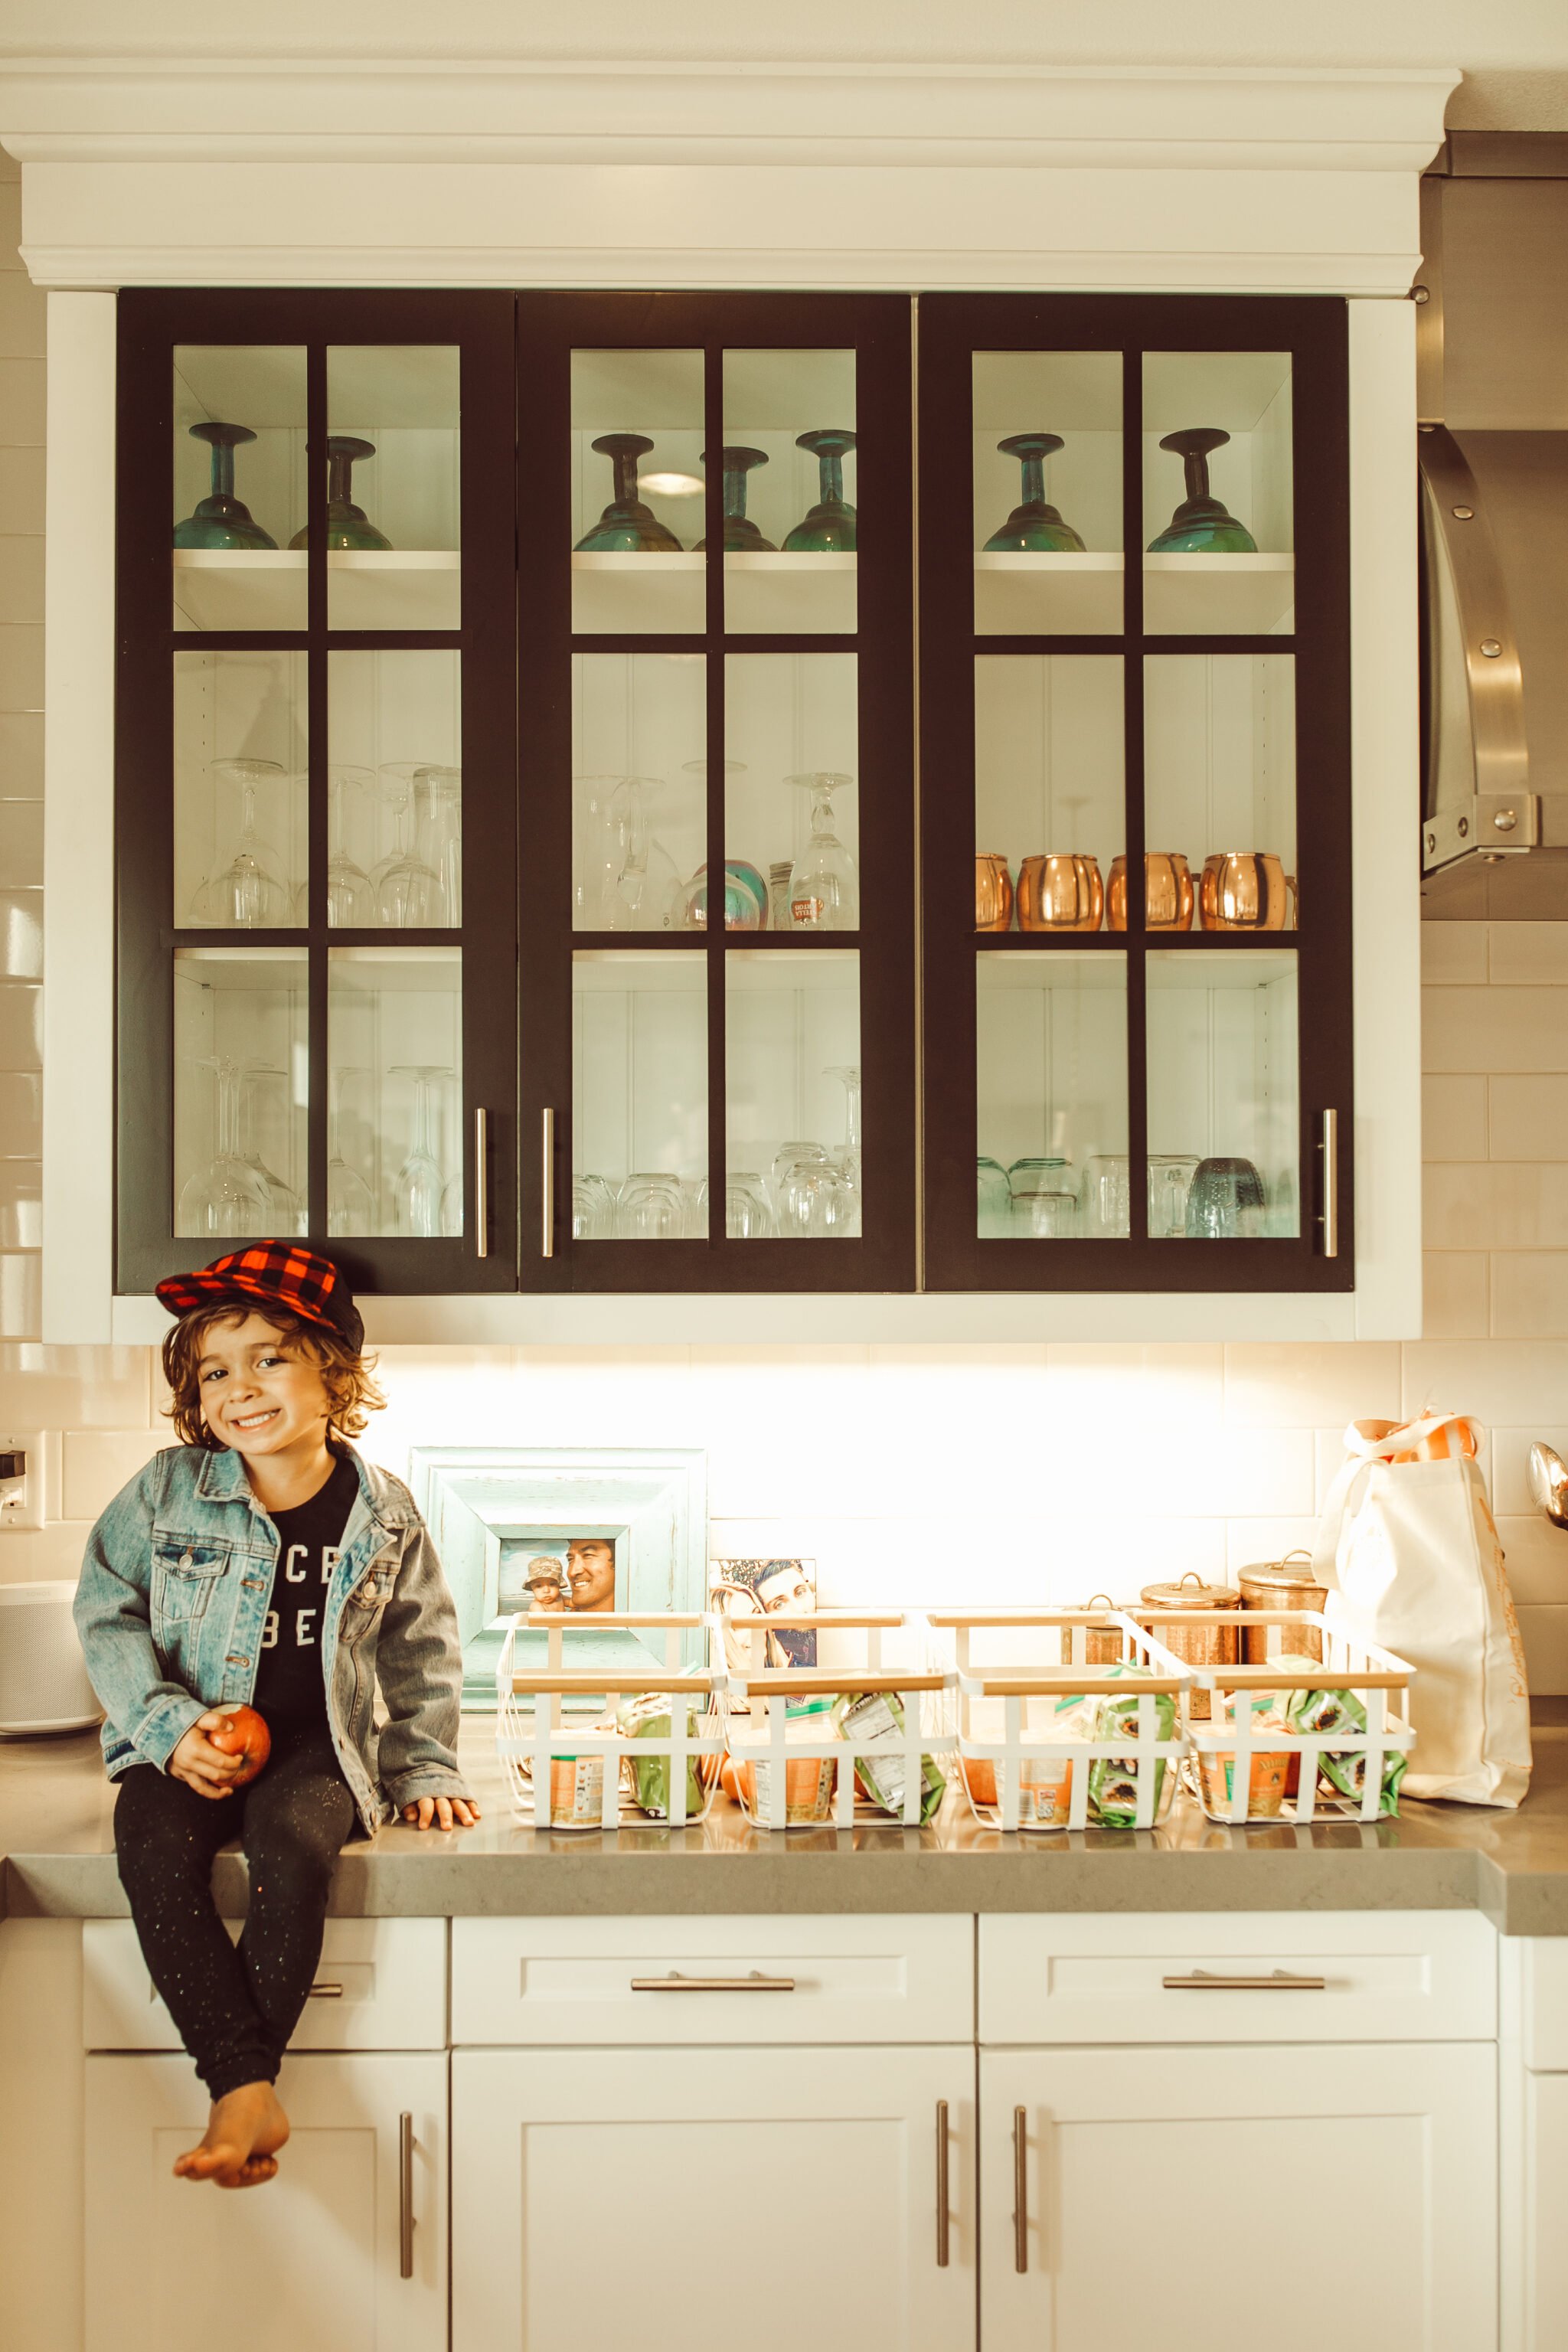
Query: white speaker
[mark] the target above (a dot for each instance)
(43, 1681)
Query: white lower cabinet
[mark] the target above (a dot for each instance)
(667, 2197)
(1230, 2197)
(315, 2258)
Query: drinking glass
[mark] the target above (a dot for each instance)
(825, 882)
(419, 1183)
(742, 537)
(1046, 1216)
(994, 1198)
(593, 1209)
(626, 527)
(791, 1158)
(1034, 527)
(694, 1207)
(747, 1215)
(351, 1207)
(250, 893)
(1045, 1179)
(745, 899)
(222, 520)
(846, 1158)
(420, 888)
(348, 526)
(1202, 524)
(351, 901)
(816, 1203)
(227, 1199)
(1107, 1196)
(1171, 1177)
(828, 528)
(645, 884)
(285, 1213)
(650, 1209)
(1225, 1201)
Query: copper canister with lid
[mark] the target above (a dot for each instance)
(1195, 1646)
(1103, 1642)
(1288, 1583)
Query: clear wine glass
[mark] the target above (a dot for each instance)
(351, 1205)
(645, 882)
(284, 1211)
(250, 893)
(394, 789)
(351, 901)
(824, 883)
(846, 1158)
(226, 1200)
(419, 1183)
(413, 892)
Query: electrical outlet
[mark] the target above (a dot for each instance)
(24, 1502)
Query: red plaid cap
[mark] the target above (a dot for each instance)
(273, 1273)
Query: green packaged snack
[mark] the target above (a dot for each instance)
(1114, 1779)
(879, 1717)
(1321, 1713)
(649, 1717)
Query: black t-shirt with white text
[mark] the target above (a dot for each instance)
(290, 1683)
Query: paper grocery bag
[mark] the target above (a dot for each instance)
(1411, 1547)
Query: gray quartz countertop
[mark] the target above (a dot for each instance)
(56, 1849)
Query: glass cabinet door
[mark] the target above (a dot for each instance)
(716, 557)
(1135, 723)
(317, 713)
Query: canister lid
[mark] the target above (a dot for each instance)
(1294, 1573)
(1191, 1592)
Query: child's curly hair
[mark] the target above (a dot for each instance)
(348, 1377)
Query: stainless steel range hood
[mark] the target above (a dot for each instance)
(1492, 385)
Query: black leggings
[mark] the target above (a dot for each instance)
(235, 2008)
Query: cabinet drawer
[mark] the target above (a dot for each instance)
(1387, 1976)
(821, 1980)
(389, 1975)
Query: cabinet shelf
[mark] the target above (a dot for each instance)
(770, 593)
(372, 588)
(1233, 595)
(1048, 595)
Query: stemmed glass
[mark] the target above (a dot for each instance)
(1202, 524)
(221, 519)
(824, 883)
(626, 527)
(285, 1214)
(1034, 527)
(228, 1198)
(419, 888)
(644, 882)
(846, 1158)
(419, 1185)
(351, 1208)
(250, 893)
(347, 525)
(742, 536)
(829, 527)
(351, 901)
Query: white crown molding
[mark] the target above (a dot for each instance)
(398, 170)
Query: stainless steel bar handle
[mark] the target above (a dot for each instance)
(547, 1183)
(1331, 1183)
(675, 1982)
(481, 1183)
(326, 1992)
(942, 2213)
(1277, 1980)
(405, 2196)
(1020, 2189)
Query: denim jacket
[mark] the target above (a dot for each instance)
(172, 1602)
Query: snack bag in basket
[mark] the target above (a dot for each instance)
(1320, 1712)
(877, 1716)
(1114, 1779)
(649, 1717)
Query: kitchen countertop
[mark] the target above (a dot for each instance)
(57, 1858)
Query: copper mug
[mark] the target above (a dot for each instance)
(1247, 890)
(1168, 896)
(993, 894)
(1060, 893)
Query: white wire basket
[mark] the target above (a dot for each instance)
(598, 1775)
(1068, 1719)
(1327, 1735)
(859, 1736)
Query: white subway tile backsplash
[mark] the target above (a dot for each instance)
(21, 1297)
(21, 658)
(1527, 1117)
(1537, 1557)
(21, 843)
(1287, 1386)
(21, 935)
(1496, 1382)
(1529, 1294)
(1485, 1029)
(22, 402)
(1454, 1120)
(28, 1555)
(21, 488)
(1501, 1204)
(1456, 1295)
(1511, 1475)
(1546, 1632)
(21, 577)
(21, 1204)
(24, 315)
(21, 1042)
(1247, 1540)
(99, 1462)
(1532, 954)
(1454, 955)
(73, 1388)
(21, 1105)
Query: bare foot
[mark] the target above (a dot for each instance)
(239, 2148)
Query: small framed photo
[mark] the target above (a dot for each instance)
(767, 1588)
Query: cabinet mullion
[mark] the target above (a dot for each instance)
(316, 830)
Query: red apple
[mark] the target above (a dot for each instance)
(244, 1733)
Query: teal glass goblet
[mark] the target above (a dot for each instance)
(742, 536)
(1202, 524)
(829, 528)
(626, 527)
(1034, 527)
(221, 519)
(347, 525)
(745, 899)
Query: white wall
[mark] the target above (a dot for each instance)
(920, 1472)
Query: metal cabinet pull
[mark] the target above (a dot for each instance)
(1331, 1183)
(1020, 2189)
(1277, 1980)
(405, 2197)
(325, 1992)
(481, 1183)
(942, 2213)
(547, 1183)
(675, 1982)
